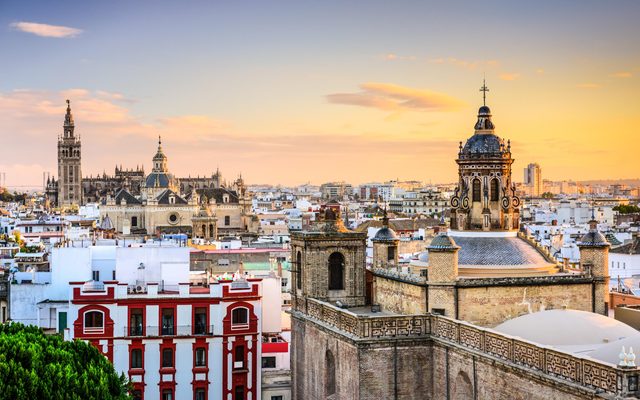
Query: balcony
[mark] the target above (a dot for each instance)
(181, 330)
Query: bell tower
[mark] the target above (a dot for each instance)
(69, 162)
(329, 262)
(485, 199)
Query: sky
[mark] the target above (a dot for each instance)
(288, 92)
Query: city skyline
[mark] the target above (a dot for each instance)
(354, 92)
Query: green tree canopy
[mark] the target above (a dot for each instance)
(38, 366)
(626, 208)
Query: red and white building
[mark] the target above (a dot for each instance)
(175, 342)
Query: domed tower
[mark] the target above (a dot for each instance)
(594, 259)
(160, 178)
(385, 246)
(485, 198)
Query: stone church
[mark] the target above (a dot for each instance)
(379, 333)
(202, 207)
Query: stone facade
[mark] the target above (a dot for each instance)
(69, 164)
(396, 295)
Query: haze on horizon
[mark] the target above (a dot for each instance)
(289, 92)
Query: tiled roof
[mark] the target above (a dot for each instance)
(629, 248)
(163, 198)
(507, 251)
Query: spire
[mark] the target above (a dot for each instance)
(385, 218)
(68, 122)
(484, 113)
(484, 89)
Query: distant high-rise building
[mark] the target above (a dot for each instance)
(533, 179)
(69, 156)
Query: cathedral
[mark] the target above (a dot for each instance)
(135, 203)
(448, 333)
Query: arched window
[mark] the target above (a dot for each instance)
(495, 190)
(239, 318)
(299, 270)
(336, 271)
(210, 230)
(330, 373)
(462, 388)
(476, 196)
(94, 322)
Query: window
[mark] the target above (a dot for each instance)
(167, 358)
(336, 271)
(279, 397)
(211, 230)
(476, 190)
(495, 190)
(135, 322)
(391, 253)
(167, 394)
(94, 322)
(239, 393)
(136, 358)
(167, 321)
(330, 373)
(201, 357)
(299, 270)
(238, 357)
(134, 221)
(268, 362)
(227, 220)
(200, 394)
(200, 321)
(437, 311)
(240, 317)
(95, 275)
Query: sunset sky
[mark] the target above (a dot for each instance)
(295, 91)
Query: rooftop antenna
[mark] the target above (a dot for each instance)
(484, 89)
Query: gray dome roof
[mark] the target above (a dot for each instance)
(158, 179)
(443, 242)
(385, 233)
(593, 239)
(483, 143)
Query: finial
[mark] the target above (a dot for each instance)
(68, 103)
(484, 89)
(385, 218)
(159, 140)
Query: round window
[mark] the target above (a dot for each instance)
(173, 218)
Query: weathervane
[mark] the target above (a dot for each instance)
(484, 89)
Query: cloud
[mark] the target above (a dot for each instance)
(396, 57)
(588, 85)
(45, 30)
(540, 71)
(465, 64)
(390, 97)
(509, 76)
(622, 74)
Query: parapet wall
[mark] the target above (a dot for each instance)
(551, 368)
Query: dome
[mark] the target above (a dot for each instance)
(484, 110)
(571, 328)
(385, 233)
(483, 143)
(443, 242)
(158, 179)
(594, 239)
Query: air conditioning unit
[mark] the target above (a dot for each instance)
(141, 289)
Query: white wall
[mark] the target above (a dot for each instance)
(170, 264)
(272, 305)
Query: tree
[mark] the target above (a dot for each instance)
(547, 195)
(626, 209)
(38, 366)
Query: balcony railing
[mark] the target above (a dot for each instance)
(180, 330)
